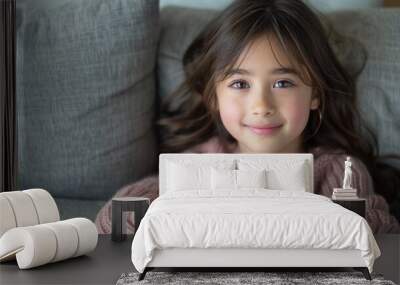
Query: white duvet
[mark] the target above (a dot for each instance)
(250, 219)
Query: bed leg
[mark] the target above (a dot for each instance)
(142, 275)
(364, 271)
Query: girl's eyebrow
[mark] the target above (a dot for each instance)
(284, 70)
(280, 70)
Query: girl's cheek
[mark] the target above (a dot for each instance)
(229, 117)
(230, 113)
(297, 114)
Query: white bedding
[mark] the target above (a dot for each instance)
(250, 219)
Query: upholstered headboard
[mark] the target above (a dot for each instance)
(283, 165)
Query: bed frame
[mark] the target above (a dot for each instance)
(245, 259)
(242, 259)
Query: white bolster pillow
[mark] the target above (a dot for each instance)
(40, 244)
(7, 219)
(46, 207)
(67, 238)
(23, 209)
(87, 234)
(26, 208)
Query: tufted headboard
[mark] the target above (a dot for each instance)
(282, 164)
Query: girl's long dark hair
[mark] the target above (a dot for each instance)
(190, 116)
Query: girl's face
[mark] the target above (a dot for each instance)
(262, 103)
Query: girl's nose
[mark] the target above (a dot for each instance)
(262, 105)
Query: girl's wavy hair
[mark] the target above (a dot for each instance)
(190, 116)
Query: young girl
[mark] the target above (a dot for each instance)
(262, 78)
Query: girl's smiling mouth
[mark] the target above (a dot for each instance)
(264, 129)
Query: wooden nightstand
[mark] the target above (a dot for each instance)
(356, 205)
(121, 207)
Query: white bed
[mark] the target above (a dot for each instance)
(198, 223)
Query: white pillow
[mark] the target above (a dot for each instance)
(251, 178)
(230, 180)
(188, 174)
(187, 177)
(281, 175)
(223, 179)
(293, 179)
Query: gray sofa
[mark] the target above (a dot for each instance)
(91, 75)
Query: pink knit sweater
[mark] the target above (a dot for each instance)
(328, 174)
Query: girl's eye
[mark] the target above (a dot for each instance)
(283, 84)
(240, 84)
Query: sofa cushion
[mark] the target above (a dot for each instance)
(86, 94)
(378, 31)
(378, 89)
(179, 26)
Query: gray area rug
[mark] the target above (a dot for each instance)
(229, 278)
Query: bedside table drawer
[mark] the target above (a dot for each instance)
(357, 206)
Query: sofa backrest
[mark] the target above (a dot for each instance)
(86, 95)
(284, 171)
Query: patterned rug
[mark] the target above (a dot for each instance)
(270, 278)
